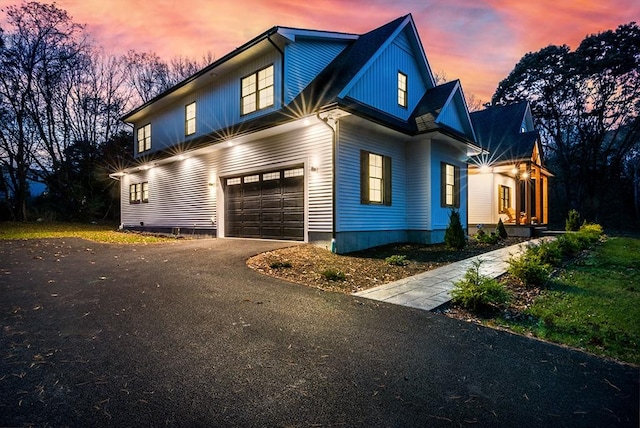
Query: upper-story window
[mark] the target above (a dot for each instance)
(257, 90)
(190, 119)
(144, 138)
(402, 89)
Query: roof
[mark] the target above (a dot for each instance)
(498, 131)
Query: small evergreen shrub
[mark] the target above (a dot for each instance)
(501, 230)
(454, 236)
(549, 252)
(590, 233)
(568, 244)
(487, 238)
(529, 268)
(475, 290)
(572, 223)
(397, 260)
(279, 265)
(333, 275)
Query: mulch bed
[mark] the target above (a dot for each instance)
(305, 264)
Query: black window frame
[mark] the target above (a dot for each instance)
(404, 92)
(504, 202)
(146, 138)
(444, 185)
(365, 179)
(137, 192)
(188, 120)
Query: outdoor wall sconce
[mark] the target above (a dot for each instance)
(314, 169)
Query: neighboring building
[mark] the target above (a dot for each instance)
(508, 180)
(305, 135)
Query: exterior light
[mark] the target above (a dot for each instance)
(230, 144)
(514, 170)
(525, 175)
(485, 169)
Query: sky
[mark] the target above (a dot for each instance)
(476, 41)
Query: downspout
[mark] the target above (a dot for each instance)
(334, 149)
(281, 69)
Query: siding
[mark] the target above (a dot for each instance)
(351, 214)
(419, 185)
(304, 60)
(180, 195)
(444, 152)
(481, 199)
(217, 105)
(378, 86)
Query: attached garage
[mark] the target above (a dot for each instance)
(266, 205)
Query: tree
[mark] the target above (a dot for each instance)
(454, 236)
(585, 104)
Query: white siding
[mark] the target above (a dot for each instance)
(481, 199)
(419, 185)
(304, 59)
(180, 194)
(217, 105)
(351, 214)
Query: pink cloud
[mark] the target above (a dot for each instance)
(478, 41)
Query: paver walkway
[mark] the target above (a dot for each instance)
(431, 289)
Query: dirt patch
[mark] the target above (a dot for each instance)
(312, 266)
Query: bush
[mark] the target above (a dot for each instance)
(590, 233)
(529, 268)
(454, 236)
(568, 244)
(333, 275)
(549, 252)
(475, 290)
(396, 260)
(490, 239)
(572, 223)
(501, 230)
(278, 265)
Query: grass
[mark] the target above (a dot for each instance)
(94, 232)
(594, 304)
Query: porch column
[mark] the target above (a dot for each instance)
(518, 195)
(538, 195)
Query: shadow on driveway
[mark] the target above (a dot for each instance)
(184, 334)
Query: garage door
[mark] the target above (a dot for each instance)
(266, 205)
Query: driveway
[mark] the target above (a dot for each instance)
(183, 334)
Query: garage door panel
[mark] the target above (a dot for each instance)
(265, 205)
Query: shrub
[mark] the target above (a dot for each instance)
(485, 238)
(333, 275)
(568, 244)
(590, 233)
(549, 252)
(501, 230)
(396, 260)
(454, 235)
(278, 265)
(475, 290)
(572, 223)
(529, 268)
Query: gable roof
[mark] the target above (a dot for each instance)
(498, 130)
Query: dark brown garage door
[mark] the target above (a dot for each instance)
(266, 205)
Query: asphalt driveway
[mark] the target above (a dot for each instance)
(183, 334)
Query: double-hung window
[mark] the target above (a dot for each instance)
(402, 90)
(139, 192)
(144, 138)
(190, 119)
(375, 178)
(257, 91)
(449, 185)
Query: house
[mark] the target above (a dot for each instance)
(336, 139)
(508, 180)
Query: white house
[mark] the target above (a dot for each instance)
(509, 180)
(305, 135)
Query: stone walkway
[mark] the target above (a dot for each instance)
(431, 289)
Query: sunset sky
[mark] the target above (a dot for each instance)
(476, 41)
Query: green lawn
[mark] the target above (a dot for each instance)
(594, 304)
(94, 232)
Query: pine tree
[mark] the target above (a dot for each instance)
(502, 231)
(454, 236)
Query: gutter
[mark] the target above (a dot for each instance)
(334, 144)
(281, 68)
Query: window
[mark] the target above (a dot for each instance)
(190, 119)
(504, 193)
(449, 185)
(402, 89)
(257, 90)
(144, 138)
(375, 178)
(139, 192)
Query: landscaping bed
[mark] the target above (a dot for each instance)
(350, 273)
